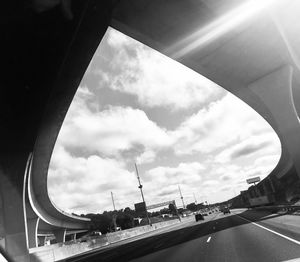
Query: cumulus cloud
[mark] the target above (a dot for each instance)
(267, 160)
(161, 183)
(82, 184)
(169, 190)
(210, 183)
(262, 166)
(235, 175)
(155, 80)
(113, 131)
(248, 147)
(223, 123)
(146, 157)
(125, 131)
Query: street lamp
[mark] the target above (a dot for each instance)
(181, 197)
(141, 189)
(114, 216)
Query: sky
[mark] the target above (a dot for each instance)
(135, 105)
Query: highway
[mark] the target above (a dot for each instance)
(240, 236)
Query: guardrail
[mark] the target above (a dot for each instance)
(63, 250)
(278, 208)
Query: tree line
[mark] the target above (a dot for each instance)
(127, 218)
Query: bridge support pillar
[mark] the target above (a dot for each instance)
(32, 225)
(74, 236)
(60, 235)
(12, 222)
(275, 91)
(41, 240)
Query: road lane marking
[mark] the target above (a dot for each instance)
(272, 231)
(208, 239)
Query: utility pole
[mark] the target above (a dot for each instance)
(195, 198)
(114, 216)
(183, 205)
(177, 214)
(113, 201)
(141, 189)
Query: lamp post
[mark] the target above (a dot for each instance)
(113, 201)
(141, 189)
(183, 205)
(114, 216)
(195, 198)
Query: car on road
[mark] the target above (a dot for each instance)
(199, 217)
(226, 210)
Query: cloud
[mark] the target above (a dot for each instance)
(146, 157)
(167, 191)
(236, 174)
(79, 184)
(84, 93)
(267, 160)
(262, 166)
(226, 188)
(161, 183)
(229, 173)
(210, 183)
(184, 173)
(155, 80)
(247, 147)
(121, 131)
(225, 177)
(226, 122)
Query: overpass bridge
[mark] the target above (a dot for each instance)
(251, 48)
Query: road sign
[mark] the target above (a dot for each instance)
(253, 180)
(161, 204)
(140, 207)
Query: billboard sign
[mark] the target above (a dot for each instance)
(140, 207)
(253, 180)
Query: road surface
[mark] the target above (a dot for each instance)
(240, 236)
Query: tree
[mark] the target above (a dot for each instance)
(192, 207)
(172, 209)
(127, 210)
(125, 221)
(165, 211)
(130, 211)
(100, 222)
(155, 214)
